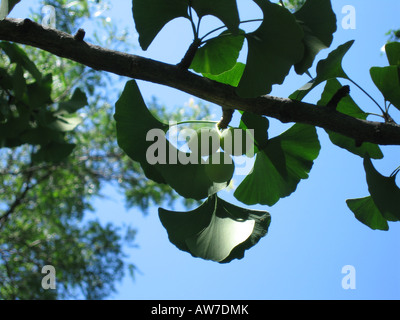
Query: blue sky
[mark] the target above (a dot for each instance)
(313, 234)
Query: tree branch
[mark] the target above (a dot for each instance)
(132, 66)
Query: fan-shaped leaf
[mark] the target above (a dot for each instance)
(134, 122)
(272, 50)
(217, 230)
(279, 167)
(384, 192)
(225, 10)
(218, 55)
(392, 50)
(319, 23)
(152, 15)
(387, 80)
(329, 68)
(365, 211)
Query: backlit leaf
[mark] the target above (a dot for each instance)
(134, 122)
(279, 167)
(365, 211)
(217, 230)
(218, 55)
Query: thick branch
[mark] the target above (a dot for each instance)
(132, 66)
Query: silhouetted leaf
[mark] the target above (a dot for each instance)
(349, 107)
(272, 50)
(225, 10)
(152, 15)
(365, 211)
(384, 192)
(329, 68)
(318, 21)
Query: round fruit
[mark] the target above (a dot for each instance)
(204, 141)
(220, 167)
(235, 141)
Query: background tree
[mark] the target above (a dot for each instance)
(54, 163)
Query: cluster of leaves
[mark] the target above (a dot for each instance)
(217, 230)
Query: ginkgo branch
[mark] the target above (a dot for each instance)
(136, 67)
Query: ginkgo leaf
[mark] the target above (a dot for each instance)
(225, 10)
(134, 123)
(318, 30)
(384, 192)
(272, 50)
(218, 55)
(365, 211)
(259, 124)
(217, 230)
(231, 77)
(387, 80)
(349, 107)
(279, 166)
(152, 15)
(329, 68)
(392, 50)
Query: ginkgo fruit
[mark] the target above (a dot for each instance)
(220, 167)
(204, 141)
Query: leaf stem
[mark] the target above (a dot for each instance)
(222, 27)
(368, 95)
(395, 172)
(195, 31)
(211, 32)
(195, 121)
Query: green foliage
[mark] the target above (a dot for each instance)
(133, 126)
(291, 34)
(218, 55)
(318, 30)
(387, 80)
(49, 130)
(348, 106)
(273, 49)
(366, 212)
(279, 166)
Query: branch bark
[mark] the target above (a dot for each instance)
(136, 67)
